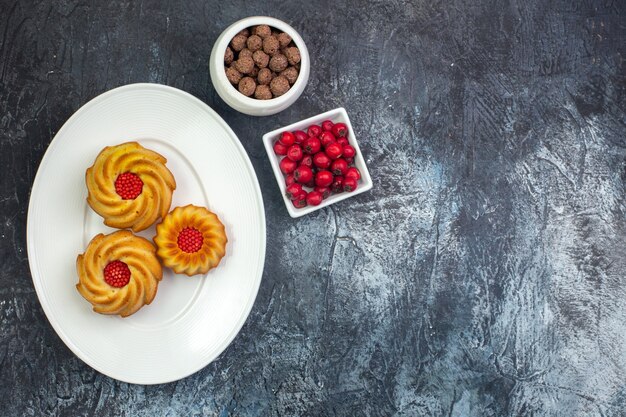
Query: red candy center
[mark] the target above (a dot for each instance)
(190, 240)
(128, 186)
(116, 274)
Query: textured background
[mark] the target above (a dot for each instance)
(485, 273)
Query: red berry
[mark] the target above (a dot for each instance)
(287, 166)
(128, 186)
(349, 151)
(339, 167)
(287, 138)
(279, 148)
(314, 198)
(353, 172)
(334, 150)
(348, 160)
(190, 240)
(349, 184)
(325, 191)
(300, 201)
(307, 160)
(340, 130)
(343, 141)
(323, 178)
(303, 174)
(294, 153)
(116, 274)
(327, 125)
(314, 130)
(312, 145)
(300, 136)
(321, 160)
(337, 185)
(293, 191)
(290, 179)
(326, 138)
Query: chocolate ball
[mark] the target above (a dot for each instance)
(293, 55)
(229, 56)
(244, 52)
(261, 59)
(284, 40)
(238, 42)
(265, 76)
(244, 65)
(291, 74)
(278, 62)
(254, 43)
(245, 32)
(270, 45)
(279, 86)
(254, 72)
(233, 75)
(263, 31)
(262, 92)
(247, 86)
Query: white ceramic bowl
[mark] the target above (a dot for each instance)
(336, 116)
(231, 95)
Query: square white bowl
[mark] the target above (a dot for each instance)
(336, 116)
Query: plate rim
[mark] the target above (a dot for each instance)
(30, 238)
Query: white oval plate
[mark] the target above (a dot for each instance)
(192, 319)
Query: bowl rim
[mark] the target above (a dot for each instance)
(366, 183)
(224, 40)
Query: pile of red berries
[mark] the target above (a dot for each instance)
(320, 159)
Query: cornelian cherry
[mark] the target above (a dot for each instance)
(312, 145)
(349, 184)
(327, 125)
(314, 198)
(303, 174)
(287, 166)
(307, 160)
(334, 150)
(279, 148)
(300, 136)
(294, 152)
(293, 191)
(321, 160)
(339, 167)
(287, 138)
(314, 130)
(300, 200)
(325, 191)
(340, 130)
(343, 142)
(349, 151)
(326, 138)
(353, 172)
(323, 178)
(337, 185)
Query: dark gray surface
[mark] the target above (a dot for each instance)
(484, 275)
